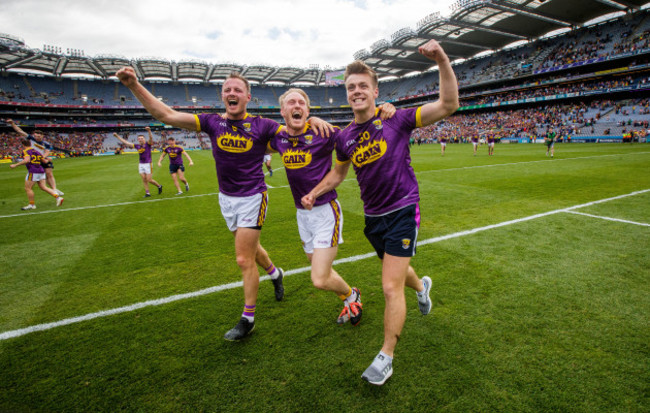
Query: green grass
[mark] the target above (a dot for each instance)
(547, 314)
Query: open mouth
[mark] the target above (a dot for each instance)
(232, 103)
(296, 115)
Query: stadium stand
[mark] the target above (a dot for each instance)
(588, 82)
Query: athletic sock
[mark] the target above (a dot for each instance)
(381, 360)
(272, 271)
(346, 296)
(249, 313)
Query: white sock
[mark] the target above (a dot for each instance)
(382, 360)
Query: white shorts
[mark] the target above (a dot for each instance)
(244, 211)
(443, 144)
(322, 227)
(491, 144)
(144, 168)
(475, 144)
(35, 177)
(267, 158)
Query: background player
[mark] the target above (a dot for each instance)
(44, 148)
(549, 140)
(144, 166)
(176, 167)
(380, 154)
(35, 174)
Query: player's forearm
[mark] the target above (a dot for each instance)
(156, 108)
(448, 85)
(330, 181)
(19, 130)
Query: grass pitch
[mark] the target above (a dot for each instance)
(541, 309)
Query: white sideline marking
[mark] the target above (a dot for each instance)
(609, 218)
(47, 326)
(24, 214)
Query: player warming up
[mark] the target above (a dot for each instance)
(176, 167)
(144, 166)
(35, 174)
(379, 153)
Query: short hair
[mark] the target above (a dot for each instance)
(40, 132)
(26, 142)
(282, 98)
(142, 136)
(237, 75)
(360, 68)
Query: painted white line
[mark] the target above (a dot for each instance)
(609, 218)
(352, 179)
(47, 326)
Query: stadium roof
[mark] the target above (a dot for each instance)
(474, 27)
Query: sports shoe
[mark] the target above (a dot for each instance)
(147, 195)
(241, 330)
(59, 192)
(424, 301)
(59, 201)
(28, 207)
(179, 193)
(376, 374)
(279, 287)
(352, 312)
(187, 187)
(160, 190)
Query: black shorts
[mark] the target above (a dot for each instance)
(174, 168)
(47, 164)
(394, 233)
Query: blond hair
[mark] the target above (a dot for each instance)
(237, 75)
(282, 98)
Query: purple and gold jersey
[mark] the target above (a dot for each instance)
(144, 151)
(34, 166)
(238, 148)
(379, 152)
(175, 153)
(307, 158)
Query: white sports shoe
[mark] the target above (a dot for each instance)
(379, 371)
(424, 301)
(28, 207)
(59, 201)
(59, 192)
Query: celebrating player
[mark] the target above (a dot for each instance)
(44, 148)
(33, 159)
(307, 158)
(144, 166)
(239, 142)
(380, 155)
(176, 167)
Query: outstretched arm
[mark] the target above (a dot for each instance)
(17, 128)
(156, 108)
(329, 182)
(447, 103)
(25, 160)
(124, 141)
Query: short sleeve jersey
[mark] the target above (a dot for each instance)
(307, 158)
(144, 151)
(175, 153)
(34, 166)
(379, 152)
(41, 146)
(238, 148)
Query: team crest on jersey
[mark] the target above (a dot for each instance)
(234, 143)
(366, 154)
(296, 159)
(247, 127)
(377, 124)
(308, 139)
(406, 243)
